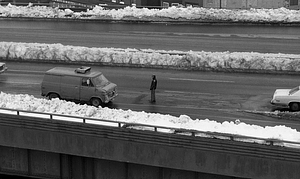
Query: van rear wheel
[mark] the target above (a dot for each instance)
(96, 102)
(53, 95)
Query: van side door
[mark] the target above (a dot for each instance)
(70, 87)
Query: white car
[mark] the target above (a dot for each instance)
(287, 98)
(3, 67)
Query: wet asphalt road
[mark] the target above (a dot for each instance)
(264, 39)
(200, 95)
(217, 96)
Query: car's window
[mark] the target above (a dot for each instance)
(86, 82)
(294, 90)
(100, 81)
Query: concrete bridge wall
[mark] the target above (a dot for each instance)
(33, 163)
(63, 149)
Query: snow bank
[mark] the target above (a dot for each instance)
(56, 106)
(225, 61)
(144, 14)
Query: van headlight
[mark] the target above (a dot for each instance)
(106, 98)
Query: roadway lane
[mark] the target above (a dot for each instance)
(216, 96)
(266, 39)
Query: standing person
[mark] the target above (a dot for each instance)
(153, 88)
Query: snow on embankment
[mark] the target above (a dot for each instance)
(174, 14)
(218, 61)
(56, 106)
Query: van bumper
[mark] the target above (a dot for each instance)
(111, 98)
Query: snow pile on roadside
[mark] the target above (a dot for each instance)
(56, 106)
(172, 13)
(193, 13)
(32, 11)
(152, 58)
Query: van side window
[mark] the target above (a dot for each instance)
(86, 82)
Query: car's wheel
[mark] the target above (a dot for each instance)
(294, 106)
(96, 102)
(53, 95)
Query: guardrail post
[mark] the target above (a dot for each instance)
(18, 113)
(155, 129)
(84, 120)
(51, 116)
(271, 142)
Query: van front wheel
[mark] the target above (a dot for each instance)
(96, 102)
(53, 95)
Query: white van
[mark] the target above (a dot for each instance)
(79, 84)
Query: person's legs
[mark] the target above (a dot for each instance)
(152, 95)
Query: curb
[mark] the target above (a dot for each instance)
(292, 116)
(167, 21)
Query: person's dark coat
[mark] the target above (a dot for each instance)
(153, 88)
(153, 83)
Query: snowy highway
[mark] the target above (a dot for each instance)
(217, 96)
(214, 102)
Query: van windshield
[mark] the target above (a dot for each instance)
(100, 81)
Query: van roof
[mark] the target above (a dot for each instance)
(71, 72)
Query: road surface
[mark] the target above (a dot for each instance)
(217, 96)
(264, 39)
(200, 95)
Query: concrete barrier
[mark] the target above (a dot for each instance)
(151, 150)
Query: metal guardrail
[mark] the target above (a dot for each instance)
(80, 119)
(154, 128)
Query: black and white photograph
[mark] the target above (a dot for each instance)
(150, 89)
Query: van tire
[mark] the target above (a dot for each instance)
(96, 102)
(53, 95)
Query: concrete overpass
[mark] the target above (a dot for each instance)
(44, 147)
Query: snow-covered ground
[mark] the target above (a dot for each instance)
(148, 57)
(56, 106)
(144, 14)
(217, 61)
